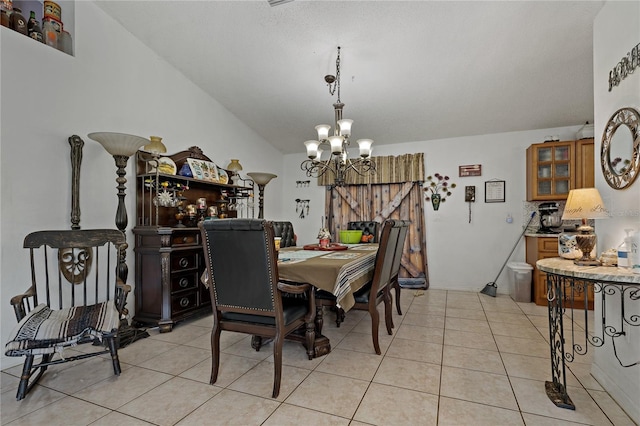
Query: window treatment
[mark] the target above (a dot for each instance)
(396, 194)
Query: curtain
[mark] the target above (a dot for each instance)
(389, 169)
(396, 196)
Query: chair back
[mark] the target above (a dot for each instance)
(75, 267)
(284, 230)
(397, 257)
(369, 227)
(384, 257)
(242, 263)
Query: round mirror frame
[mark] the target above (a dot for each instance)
(625, 177)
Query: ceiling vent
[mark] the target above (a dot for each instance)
(273, 3)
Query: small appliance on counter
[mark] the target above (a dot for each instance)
(549, 218)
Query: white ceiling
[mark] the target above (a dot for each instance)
(411, 70)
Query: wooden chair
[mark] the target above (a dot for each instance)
(397, 259)
(242, 266)
(75, 297)
(284, 230)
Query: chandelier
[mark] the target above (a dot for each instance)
(338, 162)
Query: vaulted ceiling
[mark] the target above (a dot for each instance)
(410, 70)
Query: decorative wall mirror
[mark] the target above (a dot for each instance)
(620, 152)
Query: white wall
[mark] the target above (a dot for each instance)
(114, 83)
(461, 255)
(616, 31)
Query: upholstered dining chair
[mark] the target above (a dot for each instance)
(397, 260)
(368, 227)
(242, 266)
(284, 230)
(75, 297)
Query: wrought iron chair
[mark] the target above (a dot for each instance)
(75, 297)
(242, 266)
(284, 230)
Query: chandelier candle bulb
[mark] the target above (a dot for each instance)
(323, 131)
(345, 126)
(365, 147)
(336, 144)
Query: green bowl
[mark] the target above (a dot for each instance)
(350, 237)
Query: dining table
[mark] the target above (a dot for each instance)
(340, 269)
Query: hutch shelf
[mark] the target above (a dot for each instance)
(168, 248)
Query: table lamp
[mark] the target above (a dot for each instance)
(584, 204)
(262, 179)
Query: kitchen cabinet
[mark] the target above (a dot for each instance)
(542, 248)
(555, 168)
(169, 259)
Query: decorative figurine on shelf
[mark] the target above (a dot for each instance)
(185, 170)
(324, 236)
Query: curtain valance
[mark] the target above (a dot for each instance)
(390, 169)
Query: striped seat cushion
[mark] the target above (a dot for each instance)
(44, 330)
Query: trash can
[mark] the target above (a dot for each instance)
(520, 281)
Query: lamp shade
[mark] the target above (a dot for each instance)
(345, 126)
(312, 148)
(119, 143)
(234, 165)
(365, 147)
(585, 203)
(323, 131)
(336, 144)
(261, 178)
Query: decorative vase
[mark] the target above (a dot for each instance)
(324, 243)
(435, 201)
(185, 170)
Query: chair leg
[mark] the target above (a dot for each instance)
(396, 286)
(310, 336)
(215, 353)
(375, 319)
(277, 363)
(23, 387)
(113, 350)
(339, 316)
(388, 308)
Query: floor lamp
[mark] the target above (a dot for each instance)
(121, 146)
(262, 179)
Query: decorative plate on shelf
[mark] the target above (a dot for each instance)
(223, 177)
(167, 166)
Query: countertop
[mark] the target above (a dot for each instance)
(559, 266)
(535, 234)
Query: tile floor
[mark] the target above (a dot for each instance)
(455, 358)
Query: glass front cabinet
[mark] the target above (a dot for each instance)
(551, 170)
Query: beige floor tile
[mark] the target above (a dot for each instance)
(362, 342)
(533, 309)
(415, 350)
(141, 350)
(387, 405)
(232, 408)
(294, 354)
(473, 359)
(177, 360)
(533, 399)
(259, 380)
(425, 297)
(423, 334)
(180, 334)
(462, 324)
(611, 408)
(8, 382)
(535, 420)
(329, 393)
(470, 340)
(531, 367)
(477, 315)
(115, 418)
(114, 392)
(334, 334)
(290, 415)
(474, 308)
(230, 369)
(413, 375)
(37, 398)
(434, 321)
(170, 402)
(65, 411)
(527, 346)
(438, 308)
(582, 372)
(243, 348)
(508, 318)
(528, 331)
(476, 386)
(80, 375)
(356, 365)
(500, 303)
(456, 412)
(204, 321)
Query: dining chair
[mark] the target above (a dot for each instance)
(75, 298)
(397, 260)
(284, 230)
(242, 266)
(368, 227)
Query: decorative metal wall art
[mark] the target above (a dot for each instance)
(625, 67)
(620, 150)
(302, 208)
